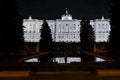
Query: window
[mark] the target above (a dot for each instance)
(103, 35)
(34, 31)
(74, 35)
(99, 25)
(30, 24)
(74, 25)
(102, 24)
(106, 24)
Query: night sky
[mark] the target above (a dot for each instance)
(53, 9)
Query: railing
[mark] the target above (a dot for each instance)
(36, 54)
(96, 55)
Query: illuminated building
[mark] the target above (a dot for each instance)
(65, 29)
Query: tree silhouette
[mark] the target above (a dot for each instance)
(46, 37)
(11, 32)
(115, 30)
(45, 42)
(87, 40)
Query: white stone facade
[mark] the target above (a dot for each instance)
(65, 29)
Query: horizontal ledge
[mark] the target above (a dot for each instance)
(14, 73)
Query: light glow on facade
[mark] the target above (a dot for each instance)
(65, 29)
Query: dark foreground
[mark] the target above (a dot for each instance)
(24, 75)
(54, 71)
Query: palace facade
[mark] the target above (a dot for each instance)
(65, 29)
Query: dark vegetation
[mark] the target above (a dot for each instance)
(45, 43)
(114, 46)
(11, 32)
(87, 40)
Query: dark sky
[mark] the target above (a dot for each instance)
(53, 9)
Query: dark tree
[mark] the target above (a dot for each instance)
(46, 41)
(114, 38)
(11, 32)
(87, 40)
(46, 37)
